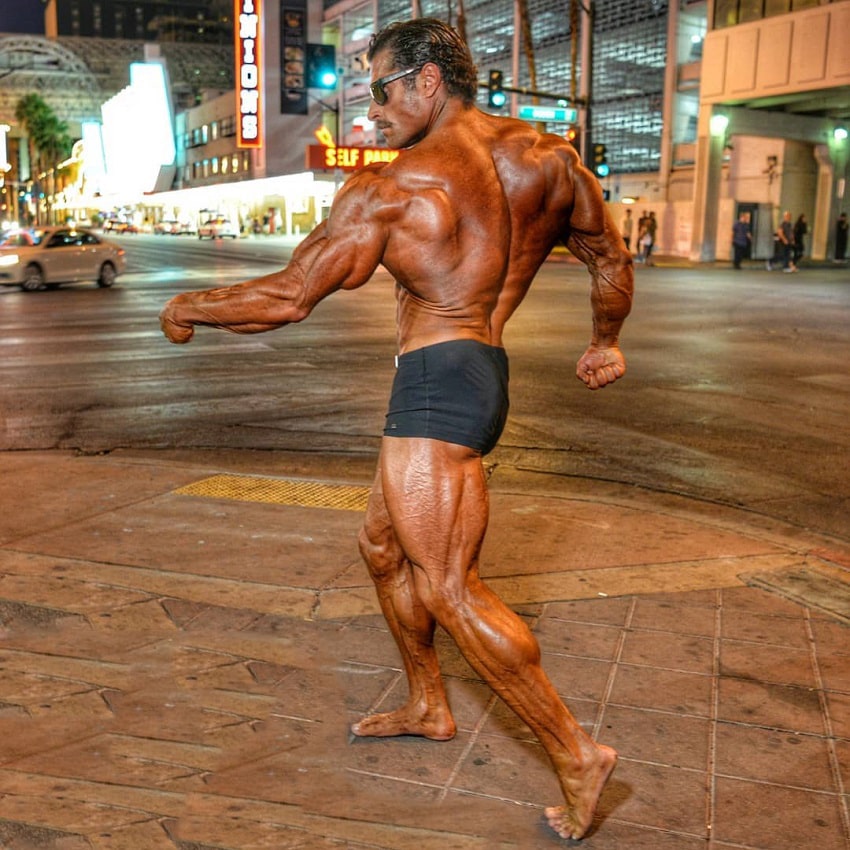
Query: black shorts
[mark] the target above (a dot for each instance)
(454, 391)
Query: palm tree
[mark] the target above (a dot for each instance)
(48, 141)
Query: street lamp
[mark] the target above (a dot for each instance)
(718, 124)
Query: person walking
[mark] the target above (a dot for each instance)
(626, 228)
(742, 237)
(648, 240)
(785, 235)
(462, 219)
(801, 228)
(841, 227)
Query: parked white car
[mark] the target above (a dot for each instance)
(47, 256)
(218, 228)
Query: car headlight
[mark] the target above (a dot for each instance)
(9, 259)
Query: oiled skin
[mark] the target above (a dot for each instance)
(462, 219)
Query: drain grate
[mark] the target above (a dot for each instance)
(279, 491)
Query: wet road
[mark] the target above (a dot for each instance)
(738, 390)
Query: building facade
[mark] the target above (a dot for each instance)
(706, 108)
(652, 76)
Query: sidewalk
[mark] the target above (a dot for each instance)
(185, 637)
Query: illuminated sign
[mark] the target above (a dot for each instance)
(293, 57)
(137, 132)
(249, 91)
(4, 164)
(548, 113)
(347, 158)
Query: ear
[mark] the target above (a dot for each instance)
(431, 78)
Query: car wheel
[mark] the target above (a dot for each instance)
(107, 275)
(33, 278)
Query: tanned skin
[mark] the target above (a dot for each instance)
(463, 220)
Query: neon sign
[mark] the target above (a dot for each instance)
(248, 19)
(347, 158)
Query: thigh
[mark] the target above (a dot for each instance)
(436, 498)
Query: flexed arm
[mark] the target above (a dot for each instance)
(596, 241)
(341, 253)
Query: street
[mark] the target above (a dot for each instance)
(737, 393)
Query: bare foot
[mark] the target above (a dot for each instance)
(582, 789)
(438, 725)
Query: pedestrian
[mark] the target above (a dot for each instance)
(648, 240)
(626, 226)
(801, 228)
(742, 237)
(463, 218)
(785, 235)
(641, 234)
(841, 227)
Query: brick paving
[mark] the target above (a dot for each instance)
(180, 671)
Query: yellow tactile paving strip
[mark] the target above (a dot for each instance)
(279, 491)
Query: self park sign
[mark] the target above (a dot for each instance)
(331, 158)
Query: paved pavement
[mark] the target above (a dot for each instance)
(185, 637)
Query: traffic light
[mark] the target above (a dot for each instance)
(600, 160)
(321, 66)
(574, 138)
(496, 97)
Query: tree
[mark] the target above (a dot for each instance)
(48, 140)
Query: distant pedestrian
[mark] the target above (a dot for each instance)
(841, 227)
(742, 237)
(647, 240)
(801, 228)
(626, 228)
(641, 232)
(785, 235)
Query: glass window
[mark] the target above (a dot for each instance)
(750, 11)
(725, 13)
(776, 7)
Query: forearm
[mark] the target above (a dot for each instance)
(258, 305)
(612, 288)
(255, 306)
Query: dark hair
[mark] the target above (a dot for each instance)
(413, 43)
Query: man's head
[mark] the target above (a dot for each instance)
(412, 44)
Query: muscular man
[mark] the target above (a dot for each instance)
(462, 219)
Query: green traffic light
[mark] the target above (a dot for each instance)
(327, 79)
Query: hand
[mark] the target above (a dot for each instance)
(175, 330)
(600, 366)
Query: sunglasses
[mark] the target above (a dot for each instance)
(378, 88)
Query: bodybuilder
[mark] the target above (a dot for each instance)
(462, 218)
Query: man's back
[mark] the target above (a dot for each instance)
(478, 205)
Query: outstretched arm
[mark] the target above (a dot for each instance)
(595, 240)
(341, 253)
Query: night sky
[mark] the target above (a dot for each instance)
(22, 16)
